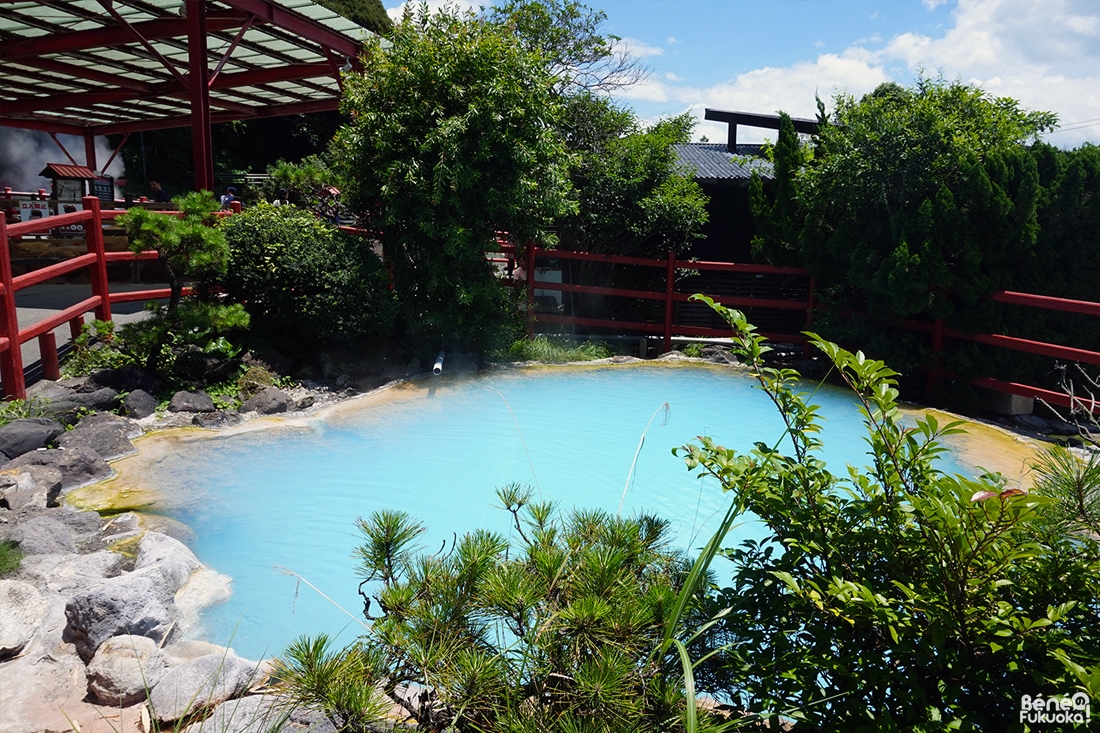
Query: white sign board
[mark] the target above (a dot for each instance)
(33, 210)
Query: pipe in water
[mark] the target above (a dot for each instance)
(438, 368)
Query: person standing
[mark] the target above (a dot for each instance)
(159, 194)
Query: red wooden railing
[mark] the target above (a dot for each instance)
(669, 295)
(95, 261)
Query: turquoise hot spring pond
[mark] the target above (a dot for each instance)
(437, 448)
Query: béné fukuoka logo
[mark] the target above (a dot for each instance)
(1071, 709)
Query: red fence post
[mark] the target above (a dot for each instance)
(235, 207)
(809, 316)
(47, 347)
(530, 289)
(93, 232)
(11, 359)
(670, 286)
(937, 359)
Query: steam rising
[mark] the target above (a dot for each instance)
(24, 153)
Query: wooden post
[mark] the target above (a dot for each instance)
(670, 287)
(530, 289)
(47, 347)
(75, 326)
(235, 206)
(93, 232)
(937, 359)
(11, 359)
(809, 316)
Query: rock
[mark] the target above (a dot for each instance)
(22, 608)
(199, 684)
(252, 714)
(105, 438)
(70, 574)
(304, 403)
(124, 669)
(167, 562)
(120, 527)
(27, 434)
(46, 391)
(20, 499)
(33, 478)
(191, 402)
(218, 419)
(66, 409)
(128, 604)
(124, 379)
(43, 534)
(185, 650)
(78, 466)
(1031, 422)
(129, 427)
(268, 401)
(139, 404)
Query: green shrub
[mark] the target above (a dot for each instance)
(302, 280)
(253, 381)
(10, 557)
(19, 409)
(543, 349)
(693, 350)
(97, 347)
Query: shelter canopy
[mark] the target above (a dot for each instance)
(101, 67)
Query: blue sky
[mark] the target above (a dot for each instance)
(766, 55)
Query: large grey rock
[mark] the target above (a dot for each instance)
(124, 669)
(252, 714)
(269, 401)
(217, 420)
(130, 427)
(66, 409)
(43, 534)
(124, 379)
(27, 434)
(78, 466)
(69, 574)
(46, 391)
(105, 438)
(167, 562)
(139, 404)
(128, 604)
(41, 484)
(199, 684)
(191, 402)
(22, 608)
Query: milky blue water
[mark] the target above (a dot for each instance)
(289, 497)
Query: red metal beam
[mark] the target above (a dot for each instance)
(150, 30)
(1028, 346)
(1060, 399)
(42, 274)
(53, 136)
(201, 141)
(43, 125)
(1050, 303)
(300, 25)
(145, 42)
(82, 72)
(89, 150)
(276, 110)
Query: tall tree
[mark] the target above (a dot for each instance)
(452, 139)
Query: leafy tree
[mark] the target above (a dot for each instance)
(894, 597)
(302, 281)
(568, 36)
(451, 141)
(918, 197)
(368, 13)
(180, 338)
(777, 218)
(560, 629)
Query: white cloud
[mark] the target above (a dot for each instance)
(634, 47)
(1044, 54)
(673, 77)
(933, 4)
(672, 40)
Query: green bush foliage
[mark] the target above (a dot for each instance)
(894, 597)
(451, 141)
(303, 282)
(10, 558)
(559, 630)
(543, 349)
(97, 347)
(19, 409)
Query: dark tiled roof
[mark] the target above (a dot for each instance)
(711, 161)
(59, 170)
